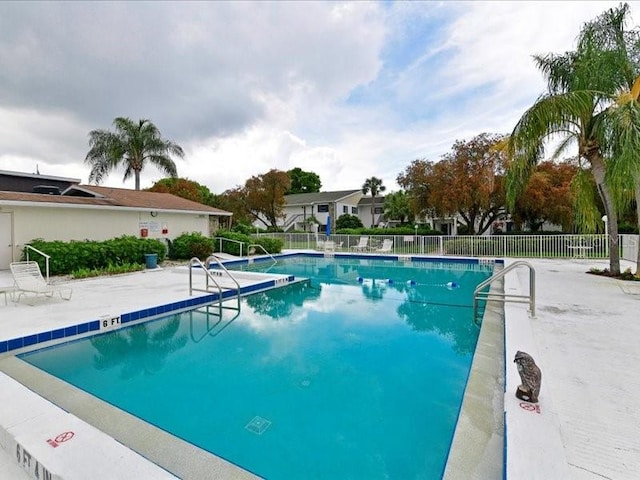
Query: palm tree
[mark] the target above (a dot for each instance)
(132, 145)
(581, 88)
(397, 207)
(624, 122)
(373, 185)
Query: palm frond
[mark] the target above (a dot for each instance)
(587, 215)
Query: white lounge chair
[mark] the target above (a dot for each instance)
(362, 245)
(27, 278)
(387, 246)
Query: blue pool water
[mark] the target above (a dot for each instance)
(347, 376)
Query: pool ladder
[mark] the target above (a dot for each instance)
(213, 279)
(478, 294)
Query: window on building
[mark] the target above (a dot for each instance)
(378, 210)
(354, 210)
(323, 208)
(345, 209)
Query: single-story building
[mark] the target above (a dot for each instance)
(87, 212)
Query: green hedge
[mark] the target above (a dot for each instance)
(67, 257)
(189, 245)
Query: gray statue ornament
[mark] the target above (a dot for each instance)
(530, 375)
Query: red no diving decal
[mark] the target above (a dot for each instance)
(530, 407)
(63, 437)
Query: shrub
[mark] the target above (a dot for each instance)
(244, 229)
(348, 221)
(67, 257)
(627, 228)
(189, 245)
(109, 270)
(271, 245)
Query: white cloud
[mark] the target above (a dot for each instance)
(347, 90)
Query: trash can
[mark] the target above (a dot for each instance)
(151, 260)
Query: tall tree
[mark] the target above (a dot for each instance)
(303, 182)
(469, 182)
(185, 188)
(131, 145)
(415, 180)
(623, 119)
(234, 201)
(375, 186)
(581, 87)
(264, 196)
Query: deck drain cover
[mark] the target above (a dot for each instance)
(258, 425)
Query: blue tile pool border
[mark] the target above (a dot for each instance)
(73, 331)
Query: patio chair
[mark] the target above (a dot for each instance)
(27, 278)
(362, 245)
(387, 246)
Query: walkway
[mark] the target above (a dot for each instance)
(585, 337)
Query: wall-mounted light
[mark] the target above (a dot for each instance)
(154, 213)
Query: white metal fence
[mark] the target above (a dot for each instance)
(526, 246)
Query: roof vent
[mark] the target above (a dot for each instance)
(46, 189)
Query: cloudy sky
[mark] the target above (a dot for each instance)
(346, 90)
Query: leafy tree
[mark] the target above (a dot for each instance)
(185, 188)
(375, 186)
(582, 86)
(415, 180)
(547, 197)
(467, 182)
(264, 196)
(131, 145)
(234, 201)
(348, 221)
(397, 207)
(303, 182)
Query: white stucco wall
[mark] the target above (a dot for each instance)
(96, 223)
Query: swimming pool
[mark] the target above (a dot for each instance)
(358, 373)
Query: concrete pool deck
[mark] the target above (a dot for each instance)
(584, 337)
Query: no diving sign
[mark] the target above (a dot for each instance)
(63, 437)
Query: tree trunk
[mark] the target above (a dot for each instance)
(136, 175)
(638, 215)
(598, 168)
(373, 207)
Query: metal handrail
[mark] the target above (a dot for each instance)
(263, 249)
(504, 297)
(210, 276)
(197, 262)
(231, 240)
(46, 258)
